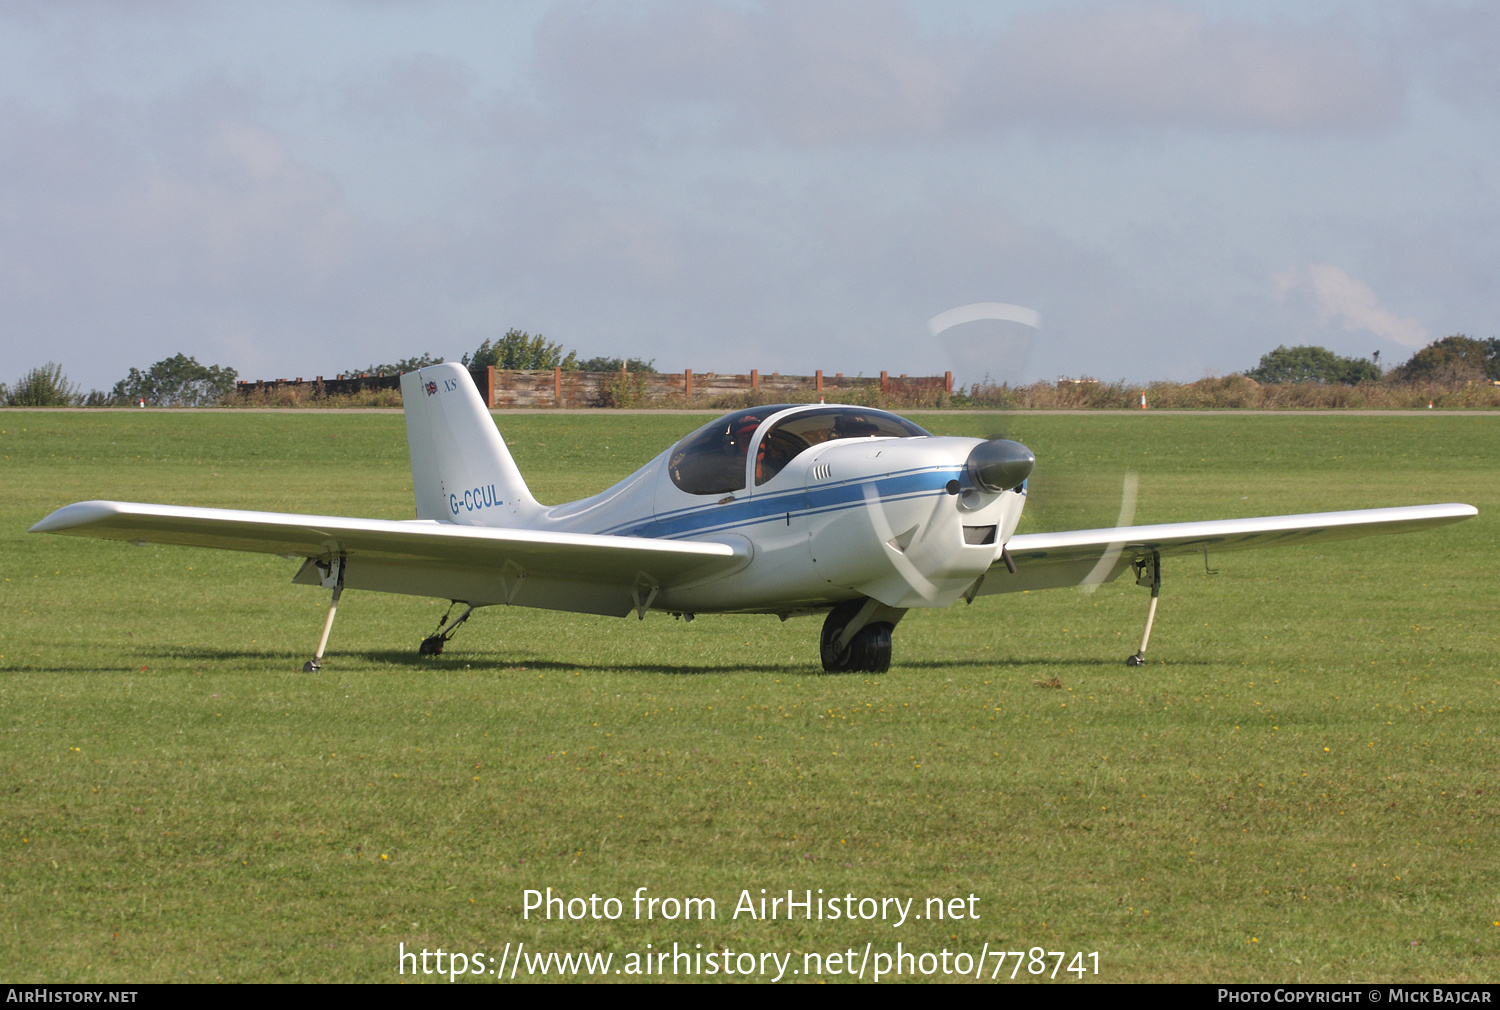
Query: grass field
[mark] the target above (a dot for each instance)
(1302, 784)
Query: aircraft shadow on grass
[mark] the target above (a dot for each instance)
(1021, 662)
(465, 661)
(275, 660)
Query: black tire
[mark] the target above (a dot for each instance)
(833, 626)
(868, 652)
(871, 649)
(431, 646)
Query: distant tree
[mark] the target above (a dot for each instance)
(518, 349)
(42, 387)
(1458, 358)
(1357, 370)
(178, 381)
(404, 365)
(602, 364)
(1313, 364)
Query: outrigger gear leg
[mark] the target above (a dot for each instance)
(432, 645)
(331, 576)
(1147, 572)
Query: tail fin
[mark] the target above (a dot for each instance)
(461, 470)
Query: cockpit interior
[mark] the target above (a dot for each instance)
(714, 459)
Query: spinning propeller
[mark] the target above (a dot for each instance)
(1106, 563)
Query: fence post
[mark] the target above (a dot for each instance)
(820, 380)
(754, 379)
(885, 382)
(556, 386)
(489, 386)
(947, 382)
(687, 376)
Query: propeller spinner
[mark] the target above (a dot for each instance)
(999, 464)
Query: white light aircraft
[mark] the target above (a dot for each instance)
(786, 510)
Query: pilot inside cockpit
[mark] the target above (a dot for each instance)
(790, 436)
(712, 459)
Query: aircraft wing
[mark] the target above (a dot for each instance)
(584, 573)
(1089, 557)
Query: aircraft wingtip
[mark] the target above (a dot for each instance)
(80, 513)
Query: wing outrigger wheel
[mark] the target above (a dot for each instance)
(330, 576)
(433, 644)
(857, 637)
(1147, 573)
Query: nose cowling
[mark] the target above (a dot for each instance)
(999, 464)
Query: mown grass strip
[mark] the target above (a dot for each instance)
(1301, 784)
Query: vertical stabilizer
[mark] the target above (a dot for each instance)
(461, 470)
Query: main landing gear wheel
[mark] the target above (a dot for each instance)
(868, 651)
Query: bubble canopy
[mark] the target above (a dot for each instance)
(713, 459)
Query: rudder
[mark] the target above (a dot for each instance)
(461, 470)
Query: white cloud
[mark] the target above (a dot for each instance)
(810, 74)
(1168, 64)
(131, 237)
(819, 74)
(1452, 47)
(1339, 298)
(730, 184)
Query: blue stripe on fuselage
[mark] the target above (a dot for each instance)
(700, 519)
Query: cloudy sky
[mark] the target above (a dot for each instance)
(1175, 187)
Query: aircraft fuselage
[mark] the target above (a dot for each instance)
(894, 518)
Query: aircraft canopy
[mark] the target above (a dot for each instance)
(712, 460)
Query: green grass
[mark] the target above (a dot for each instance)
(1301, 785)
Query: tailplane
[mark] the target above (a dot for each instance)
(461, 470)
